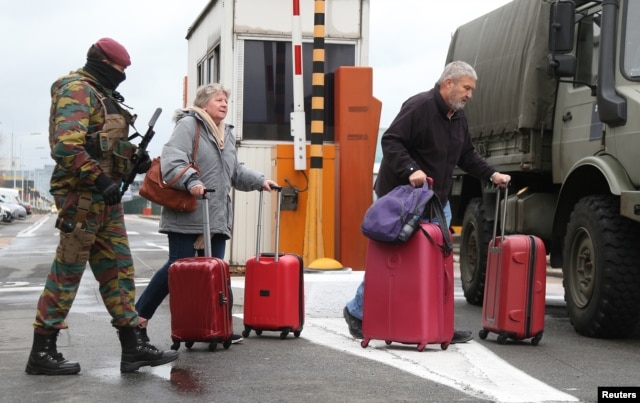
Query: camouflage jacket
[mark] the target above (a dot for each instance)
(78, 112)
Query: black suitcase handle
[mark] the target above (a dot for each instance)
(205, 223)
(504, 215)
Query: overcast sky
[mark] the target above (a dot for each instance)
(408, 47)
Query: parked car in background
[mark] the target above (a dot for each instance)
(27, 207)
(5, 214)
(16, 209)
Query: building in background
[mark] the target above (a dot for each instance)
(246, 45)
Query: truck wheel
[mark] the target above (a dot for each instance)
(476, 235)
(601, 275)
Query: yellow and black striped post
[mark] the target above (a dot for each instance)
(314, 240)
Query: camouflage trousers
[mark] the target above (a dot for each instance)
(101, 240)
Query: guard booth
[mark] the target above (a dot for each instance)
(247, 46)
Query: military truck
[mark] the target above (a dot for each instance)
(557, 106)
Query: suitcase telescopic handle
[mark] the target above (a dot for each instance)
(279, 190)
(504, 215)
(206, 231)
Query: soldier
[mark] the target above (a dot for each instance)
(88, 130)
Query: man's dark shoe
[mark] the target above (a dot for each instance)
(236, 338)
(355, 324)
(461, 336)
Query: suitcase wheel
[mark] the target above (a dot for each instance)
(284, 334)
(421, 346)
(258, 332)
(502, 339)
(213, 345)
(364, 343)
(483, 334)
(536, 339)
(297, 333)
(444, 346)
(387, 342)
(227, 343)
(188, 344)
(176, 345)
(246, 332)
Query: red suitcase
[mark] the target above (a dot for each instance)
(274, 288)
(408, 290)
(515, 285)
(199, 298)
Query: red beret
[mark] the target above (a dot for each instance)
(114, 51)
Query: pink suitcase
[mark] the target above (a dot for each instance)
(274, 288)
(515, 286)
(408, 291)
(199, 298)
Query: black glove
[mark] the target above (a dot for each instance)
(110, 191)
(143, 164)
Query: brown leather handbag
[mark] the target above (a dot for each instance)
(156, 190)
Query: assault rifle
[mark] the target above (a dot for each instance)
(142, 149)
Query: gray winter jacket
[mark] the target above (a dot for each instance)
(219, 170)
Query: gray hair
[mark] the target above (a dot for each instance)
(205, 92)
(456, 70)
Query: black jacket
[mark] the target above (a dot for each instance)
(422, 137)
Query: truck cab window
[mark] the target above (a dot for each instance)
(631, 50)
(588, 50)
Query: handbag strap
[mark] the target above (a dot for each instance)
(438, 211)
(190, 164)
(195, 146)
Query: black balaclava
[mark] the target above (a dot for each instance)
(107, 75)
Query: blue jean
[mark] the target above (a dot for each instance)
(180, 246)
(355, 305)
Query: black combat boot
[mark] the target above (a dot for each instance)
(143, 334)
(136, 352)
(45, 358)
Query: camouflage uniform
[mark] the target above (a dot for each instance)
(87, 134)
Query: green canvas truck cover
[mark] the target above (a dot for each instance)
(508, 49)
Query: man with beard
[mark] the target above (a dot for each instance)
(88, 136)
(428, 138)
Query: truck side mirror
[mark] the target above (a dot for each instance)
(561, 65)
(561, 27)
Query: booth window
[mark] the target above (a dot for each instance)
(268, 87)
(209, 67)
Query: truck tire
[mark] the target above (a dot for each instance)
(474, 243)
(601, 270)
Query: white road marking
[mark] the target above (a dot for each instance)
(469, 367)
(152, 245)
(30, 230)
(4, 288)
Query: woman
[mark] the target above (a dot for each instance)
(219, 169)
